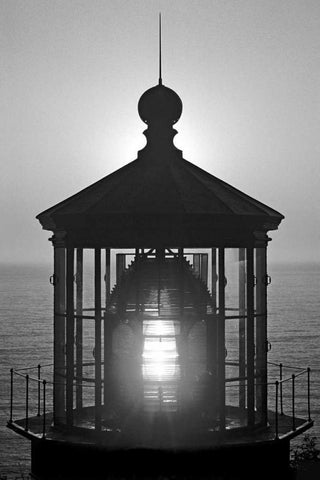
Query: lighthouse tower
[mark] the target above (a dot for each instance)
(160, 324)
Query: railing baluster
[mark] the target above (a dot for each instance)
(293, 403)
(27, 403)
(276, 419)
(39, 388)
(281, 396)
(44, 410)
(11, 395)
(309, 409)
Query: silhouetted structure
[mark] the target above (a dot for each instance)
(163, 357)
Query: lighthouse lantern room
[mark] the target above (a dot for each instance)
(160, 322)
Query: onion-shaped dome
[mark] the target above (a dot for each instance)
(160, 104)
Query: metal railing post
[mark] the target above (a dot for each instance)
(309, 409)
(39, 388)
(293, 402)
(281, 396)
(11, 395)
(27, 403)
(276, 419)
(44, 410)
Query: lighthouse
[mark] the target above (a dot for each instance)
(160, 325)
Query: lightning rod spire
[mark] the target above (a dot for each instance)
(160, 52)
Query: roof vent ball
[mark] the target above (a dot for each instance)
(160, 104)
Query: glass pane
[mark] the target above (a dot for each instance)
(235, 329)
(231, 281)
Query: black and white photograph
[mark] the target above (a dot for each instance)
(160, 240)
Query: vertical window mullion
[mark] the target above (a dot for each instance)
(59, 370)
(261, 332)
(250, 336)
(79, 327)
(97, 339)
(221, 340)
(70, 335)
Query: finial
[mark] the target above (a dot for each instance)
(160, 59)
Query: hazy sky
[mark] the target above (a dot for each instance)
(72, 73)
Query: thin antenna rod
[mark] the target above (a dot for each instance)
(160, 56)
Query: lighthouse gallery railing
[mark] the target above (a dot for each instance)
(39, 402)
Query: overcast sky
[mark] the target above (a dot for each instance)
(72, 73)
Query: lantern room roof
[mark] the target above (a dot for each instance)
(160, 195)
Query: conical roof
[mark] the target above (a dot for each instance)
(160, 196)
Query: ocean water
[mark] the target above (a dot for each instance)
(26, 338)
